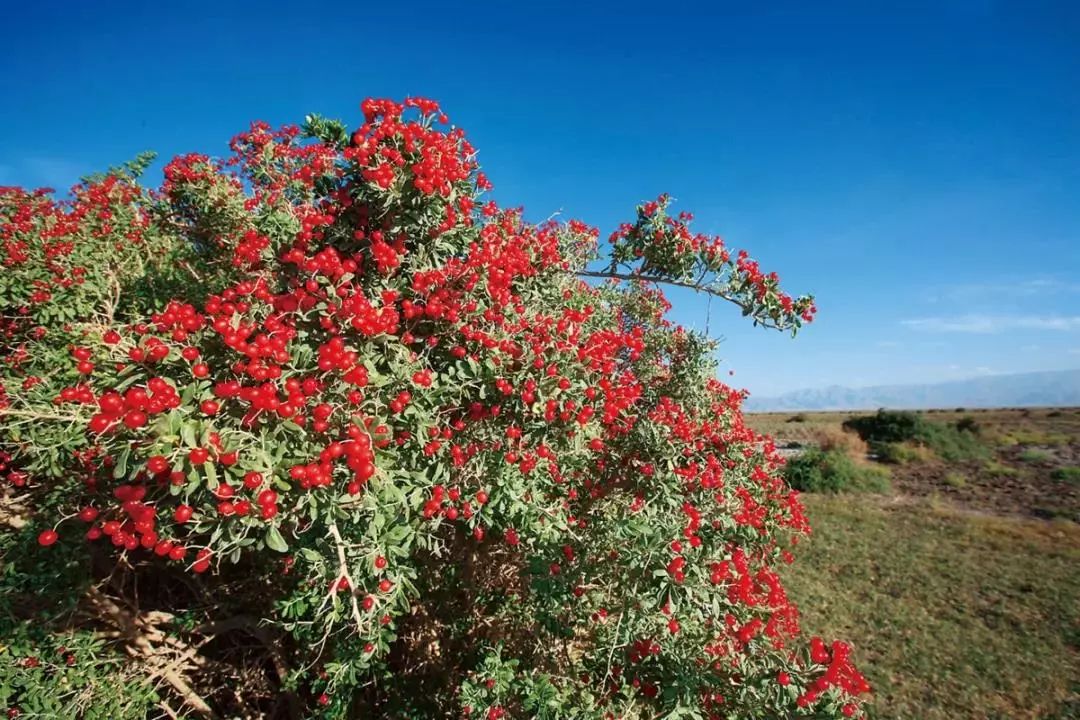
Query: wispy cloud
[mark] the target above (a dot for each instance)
(989, 324)
(1027, 288)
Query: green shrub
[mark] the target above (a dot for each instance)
(900, 453)
(1034, 455)
(967, 424)
(952, 443)
(997, 469)
(886, 426)
(955, 480)
(1067, 474)
(832, 471)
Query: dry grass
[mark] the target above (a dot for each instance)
(829, 437)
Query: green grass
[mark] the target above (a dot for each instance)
(955, 480)
(953, 616)
(905, 453)
(998, 469)
(1067, 474)
(1034, 455)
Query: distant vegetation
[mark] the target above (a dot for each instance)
(833, 471)
(956, 442)
(965, 615)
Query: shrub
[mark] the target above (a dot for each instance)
(955, 480)
(1035, 455)
(887, 426)
(832, 471)
(950, 443)
(797, 418)
(968, 424)
(1067, 474)
(320, 417)
(901, 453)
(997, 469)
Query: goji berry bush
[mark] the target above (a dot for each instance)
(355, 441)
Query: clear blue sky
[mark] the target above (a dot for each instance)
(918, 168)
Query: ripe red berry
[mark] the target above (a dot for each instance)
(209, 407)
(198, 456)
(183, 513)
(47, 538)
(380, 562)
(157, 464)
(135, 419)
(200, 370)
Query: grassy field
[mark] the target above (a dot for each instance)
(960, 586)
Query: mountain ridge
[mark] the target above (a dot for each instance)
(1053, 388)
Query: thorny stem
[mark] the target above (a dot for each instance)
(695, 286)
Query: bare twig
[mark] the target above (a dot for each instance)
(343, 572)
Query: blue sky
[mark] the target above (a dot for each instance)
(917, 166)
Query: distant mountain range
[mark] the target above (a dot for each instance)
(1058, 388)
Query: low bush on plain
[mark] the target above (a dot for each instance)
(832, 471)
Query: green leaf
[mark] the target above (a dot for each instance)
(275, 541)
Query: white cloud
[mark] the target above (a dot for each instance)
(1028, 288)
(988, 324)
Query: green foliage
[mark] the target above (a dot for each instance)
(1067, 474)
(833, 471)
(896, 453)
(952, 443)
(955, 480)
(325, 395)
(887, 426)
(1035, 455)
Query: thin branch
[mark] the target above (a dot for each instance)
(696, 287)
(35, 415)
(343, 572)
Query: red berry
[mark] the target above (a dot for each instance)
(198, 456)
(135, 419)
(183, 513)
(200, 370)
(47, 538)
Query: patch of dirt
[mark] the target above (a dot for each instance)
(1009, 487)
